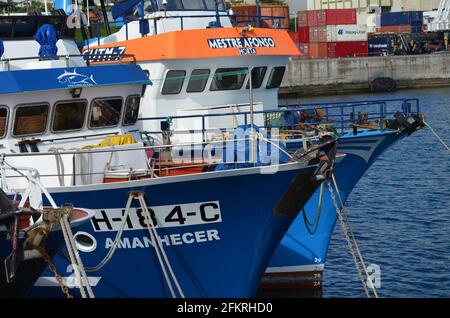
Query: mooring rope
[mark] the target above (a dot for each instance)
(355, 242)
(437, 136)
(349, 241)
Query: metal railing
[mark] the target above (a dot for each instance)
(87, 57)
(342, 115)
(236, 20)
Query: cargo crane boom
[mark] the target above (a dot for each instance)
(442, 21)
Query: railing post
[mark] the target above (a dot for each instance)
(182, 23)
(342, 119)
(203, 128)
(382, 105)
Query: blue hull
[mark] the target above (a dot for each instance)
(299, 260)
(217, 258)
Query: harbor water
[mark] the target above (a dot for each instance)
(400, 211)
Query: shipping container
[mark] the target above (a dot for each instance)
(318, 34)
(380, 45)
(275, 11)
(303, 34)
(244, 15)
(400, 29)
(302, 19)
(338, 16)
(401, 18)
(304, 50)
(347, 49)
(346, 33)
(294, 36)
(312, 18)
(318, 50)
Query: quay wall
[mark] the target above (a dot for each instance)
(315, 77)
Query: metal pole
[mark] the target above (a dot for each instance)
(105, 17)
(252, 119)
(258, 15)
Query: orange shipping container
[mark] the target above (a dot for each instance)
(244, 14)
(395, 29)
(275, 11)
(318, 50)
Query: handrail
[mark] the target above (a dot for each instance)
(234, 19)
(67, 58)
(342, 110)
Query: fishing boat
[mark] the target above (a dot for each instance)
(203, 233)
(202, 72)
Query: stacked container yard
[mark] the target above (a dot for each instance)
(401, 22)
(331, 33)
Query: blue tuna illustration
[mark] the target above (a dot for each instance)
(74, 78)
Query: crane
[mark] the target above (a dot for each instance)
(442, 20)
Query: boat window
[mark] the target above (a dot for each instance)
(105, 112)
(6, 26)
(3, 120)
(69, 115)
(173, 82)
(211, 4)
(30, 120)
(228, 79)
(258, 74)
(131, 110)
(194, 5)
(25, 27)
(171, 5)
(198, 80)
(276, 76)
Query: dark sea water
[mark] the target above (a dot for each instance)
(400, 211)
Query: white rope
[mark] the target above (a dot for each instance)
(113, 249)
(158, 243)
(72, 259)
(355, 242)
(347, 238)
(79, 262)
(437, 136)
(59, 165)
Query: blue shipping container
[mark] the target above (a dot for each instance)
(380, 46)
(402, 18)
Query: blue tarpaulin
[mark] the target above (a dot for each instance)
(64, 78)
(237, 152)
(47, 37)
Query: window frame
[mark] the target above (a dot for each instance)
(92, 107)
(125, 106)
(206, 83)
(165, 79)
(247, 86)
(30, 105)
(228, 90)
(67, 101)
(270, 75)
(6, 121)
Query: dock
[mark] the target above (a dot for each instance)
(318, 77)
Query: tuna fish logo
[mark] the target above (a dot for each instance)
(74, 78)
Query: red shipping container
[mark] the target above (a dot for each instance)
(312, 18)
(338, 16)
(293, 35)
(302, 18)
(347, 49)
(303, 34)
(318, 50)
